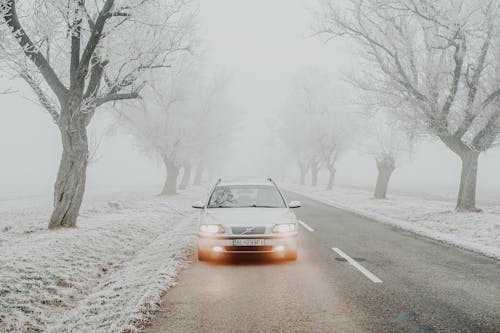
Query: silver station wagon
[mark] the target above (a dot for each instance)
(247, 217)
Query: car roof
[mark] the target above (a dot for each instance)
(247, 182)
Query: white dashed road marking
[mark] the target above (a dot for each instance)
(360, 268)
(306, 226)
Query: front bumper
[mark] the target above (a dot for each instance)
(224, 243)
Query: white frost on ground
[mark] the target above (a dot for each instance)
(107, 275)
(479, 232)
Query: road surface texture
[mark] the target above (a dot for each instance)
(426, 286)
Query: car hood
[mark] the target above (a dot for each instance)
(248, 216)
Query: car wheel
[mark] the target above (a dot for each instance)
(202, 255)
(291, 255)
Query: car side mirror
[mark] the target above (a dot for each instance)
(198, 205)
(294, 204)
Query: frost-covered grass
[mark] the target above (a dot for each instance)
(107, 275)
(479, 232)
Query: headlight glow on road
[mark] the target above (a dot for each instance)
(284, 228)
(212, 228)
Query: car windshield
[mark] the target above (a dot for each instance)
(238, 196)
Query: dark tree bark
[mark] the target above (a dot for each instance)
(170, 185)
(70, 183)
(466, 200)
(186, 176)
(314, 173)
(198, 175)
(385, 167)
(331, 177)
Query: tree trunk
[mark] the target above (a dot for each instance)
(70, 183)
(303, 172)
(170, 186)
(385, 167)
(468, 182)
(186, 176)
(198, 176)
(331, 177)
(314, 173)
(466, 201)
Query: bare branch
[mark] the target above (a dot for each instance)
(458, 57)
(42, 98)
(95, 38)
(116, 97)
(7, 91)
(8, 9)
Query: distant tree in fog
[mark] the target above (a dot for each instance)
(390, 143)
(181, 120)
(335, 139)
(315, 124)
(437, 61)
(77, 55)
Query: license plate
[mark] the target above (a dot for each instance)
(248, 242)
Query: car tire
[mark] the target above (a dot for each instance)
(202, 255)
(291, 255)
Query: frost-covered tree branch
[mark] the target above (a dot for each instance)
(9, 14)
(315, 123)
(87, 54)
(450, 88)
(186, 118)
(42, 97)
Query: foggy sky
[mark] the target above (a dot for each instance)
(260, 45)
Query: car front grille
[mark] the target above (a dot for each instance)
(248, 230)
(248, 248)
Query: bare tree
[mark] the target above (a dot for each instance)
(440, 60)
(389, 142)
(186, 117)
(315, 123)
(330, 151)
(385, 166)
(337, 136)
(198, 174)
(186, 175)
(215, 123)
(294, 133)
(77, 55)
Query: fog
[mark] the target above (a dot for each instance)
(260, 45)
(345, 152)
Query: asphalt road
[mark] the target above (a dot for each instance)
(426, 286)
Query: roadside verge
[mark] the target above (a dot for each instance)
(478, 232)
(106, 275)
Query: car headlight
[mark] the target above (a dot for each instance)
(285, 227)
(212, 228)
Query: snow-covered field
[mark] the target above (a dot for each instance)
(107, 275)
(479, 232)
